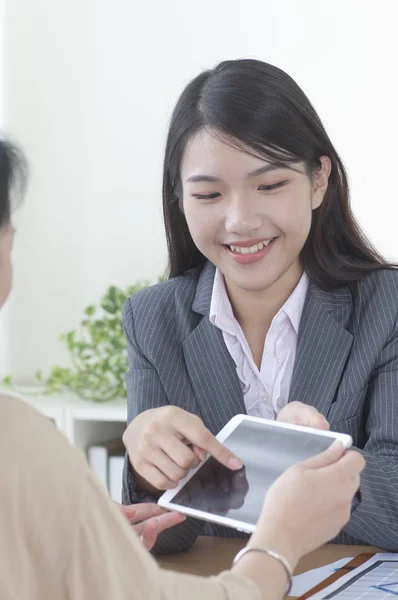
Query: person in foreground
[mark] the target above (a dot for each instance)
(276, 304)
(62, 537)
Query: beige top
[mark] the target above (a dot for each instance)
(62, 537)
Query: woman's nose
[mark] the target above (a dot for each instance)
(242, 219)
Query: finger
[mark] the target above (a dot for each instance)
(169, 519)
(149, 530)
(328, 457)
(315, 421)
(181, 454)
(297, 413)
(148, 533)
(319, 422)
(199, 453)
(355, 482)
(166, 465)
(346, 490)
(127, 511)
(142, 511)
(350, 465)
(196, 432)
(162, 522)
(155, 477)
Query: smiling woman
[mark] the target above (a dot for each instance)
(276, 305)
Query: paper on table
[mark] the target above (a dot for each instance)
(376, 579)
(305, 581)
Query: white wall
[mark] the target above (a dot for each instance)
(89, 88)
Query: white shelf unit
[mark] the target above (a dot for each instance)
(84, 423)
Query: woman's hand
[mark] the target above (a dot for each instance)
(298, 413)
(149, 520)
(165, 443)
(310, 503)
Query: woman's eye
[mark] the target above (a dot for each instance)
(271, 187)
(207, 196)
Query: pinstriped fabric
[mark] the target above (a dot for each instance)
(346, 366)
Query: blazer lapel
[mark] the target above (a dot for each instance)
(323, 347)
(211, 369)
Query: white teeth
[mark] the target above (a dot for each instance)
(251, 249)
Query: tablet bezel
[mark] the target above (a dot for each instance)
(166, 500)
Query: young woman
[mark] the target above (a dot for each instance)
(274, 295)
(62, 537)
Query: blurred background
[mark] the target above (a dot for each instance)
(87, 87)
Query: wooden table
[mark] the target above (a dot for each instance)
(211, 555)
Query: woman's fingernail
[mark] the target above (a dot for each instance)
(235, 463)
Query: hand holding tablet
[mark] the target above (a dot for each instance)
(213, 492)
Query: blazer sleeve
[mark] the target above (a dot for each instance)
(374, 519)
(145, 391)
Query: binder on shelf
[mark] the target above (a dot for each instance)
(99, 456)
(116, 464)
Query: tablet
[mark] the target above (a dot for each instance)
(267, 448)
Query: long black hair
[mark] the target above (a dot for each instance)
(256, 106)
(13, 175)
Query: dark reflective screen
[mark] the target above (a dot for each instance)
(266, 452)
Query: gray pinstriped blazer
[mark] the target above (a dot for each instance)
(346, 366)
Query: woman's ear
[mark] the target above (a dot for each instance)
(320, 179)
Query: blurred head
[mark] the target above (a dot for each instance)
(253, 183)
(12, 177)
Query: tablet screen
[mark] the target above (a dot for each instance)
(266, 452)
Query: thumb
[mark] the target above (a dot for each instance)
(149, 535)
(325, 458)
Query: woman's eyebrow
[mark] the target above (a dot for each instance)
(210, 178)
(199, 178)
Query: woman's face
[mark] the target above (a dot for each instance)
(6, 242)
(247, 217)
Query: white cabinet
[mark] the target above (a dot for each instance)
(84, 423)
